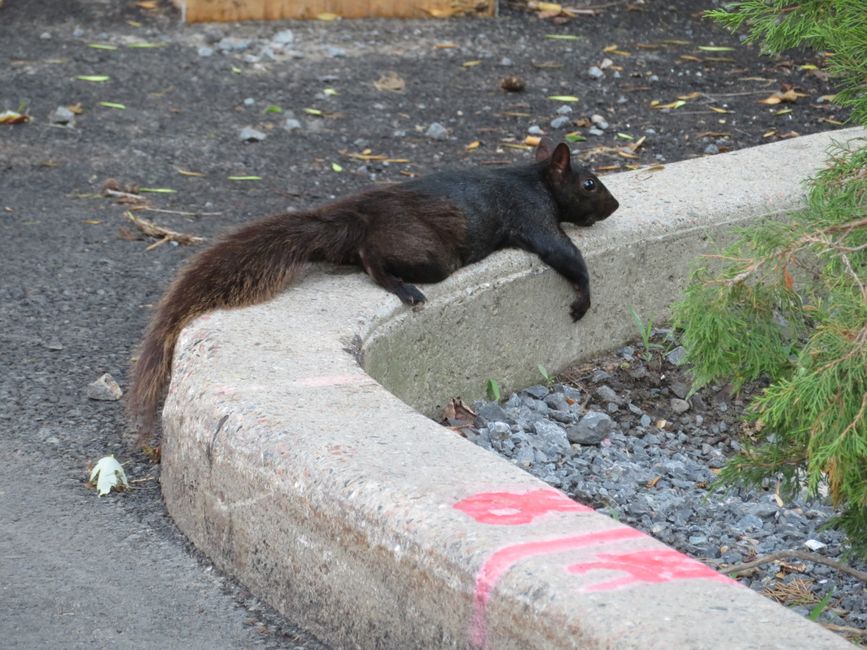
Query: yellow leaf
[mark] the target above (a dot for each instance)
(563, 98)
(716, 48)
(186, 172)
(716, 109)
(475, 144)
(146, 4)
(532, 140)
(96, 78)
(693, 95)
(91, 222)
(561, 37)
(613, 49)
(326, 16)
(675, 104)
(445, 46)
(76, 109)
(548, 7)
(471, 64)
(808, 66)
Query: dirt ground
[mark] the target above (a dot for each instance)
(78, 279)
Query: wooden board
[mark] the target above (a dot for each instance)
(196, 11)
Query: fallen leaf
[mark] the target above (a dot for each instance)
(716, 48)
(144, 45)
(472, 146)
(561, 37)
(102, 46)
(613, 49)
(95, 78)
(445, 46)
(563, 98)
(471, 64)
(157, 190)
(328, 92)
(391, 82)
(548, 7)
(91, 222)
(652, 482)
(313, 111)
(672, 105)
(691, 96)
(14, 117)
(717, 109)
(186, 172)
(115, 105)
(109, 475)
(574, 137)
(788, 279)
(245, 178)
(624, 136)
(513, 84)
(327, 16)
(147, 4)
(789, 95)
(336, 167)
(76, 109)
(532, 140)
(690, 57)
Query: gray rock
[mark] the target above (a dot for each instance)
(557, 402)
(437, 131)
(599, 376)
(233, 44)
(590, 429)
(565, 109)
(595, 131)
(679, 405)
(104, 389)
(62, 115)
(499, 431)
(561, 122)
(676, 356)
(506, 62)
(551, 437)
(537, 391)
(680, 389)
(283, 37)
(490, 412)
(599, 121)
(596, 72)
(711, 149)
(249, 134)
(607, 394)
(335, 52)
(205, 51)
(291, 124)
(535, 129)
(645, 420)
(249, 101)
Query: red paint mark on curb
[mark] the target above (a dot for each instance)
(503, 559)
(650, 566)
(514, 508)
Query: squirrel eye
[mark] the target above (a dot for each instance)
(589, 184)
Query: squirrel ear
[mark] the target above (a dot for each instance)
(544, 149)
(561, 159)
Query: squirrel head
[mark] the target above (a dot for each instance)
(581, 197)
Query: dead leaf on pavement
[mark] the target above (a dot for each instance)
(790, 95)
(390, 82)
(14, 117)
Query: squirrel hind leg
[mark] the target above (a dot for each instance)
(408, 293)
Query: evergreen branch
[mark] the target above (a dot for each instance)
(806, 556)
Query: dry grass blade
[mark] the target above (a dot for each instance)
(795, 592)
(162, 235)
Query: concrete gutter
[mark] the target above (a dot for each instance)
(298, 472)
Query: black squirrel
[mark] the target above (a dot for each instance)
(420, 230)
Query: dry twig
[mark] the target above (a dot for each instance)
(807, 556)
(161, 234)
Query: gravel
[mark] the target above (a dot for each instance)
(620, 436)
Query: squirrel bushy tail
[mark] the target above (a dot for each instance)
(246, 267)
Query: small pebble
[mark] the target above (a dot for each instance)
(104, 389)
(437, 131)
(249, 134)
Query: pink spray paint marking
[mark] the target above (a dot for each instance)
(503, 559)
(650, 566)
(512, 509)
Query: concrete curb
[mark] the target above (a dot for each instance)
(332, 499)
